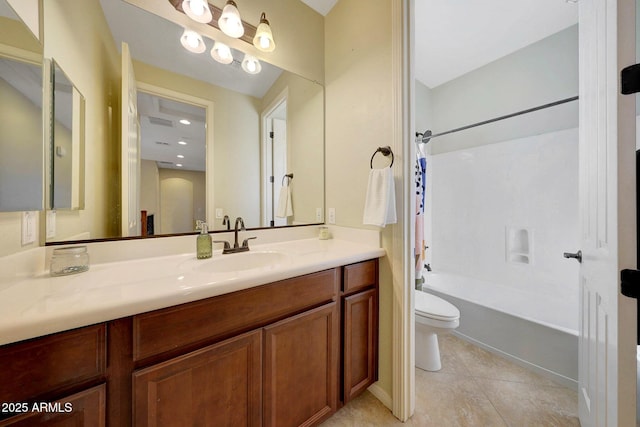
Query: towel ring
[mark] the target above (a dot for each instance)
(289, 175)
(385, 152)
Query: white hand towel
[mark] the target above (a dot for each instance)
(380, 203)
(285, 207)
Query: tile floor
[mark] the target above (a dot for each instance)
(474, 388)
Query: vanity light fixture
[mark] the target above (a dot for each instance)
(230, 22)
(264, 39)
(250, 64)
(221, 53)
(198, 10)
(192, 41)
(185, 122)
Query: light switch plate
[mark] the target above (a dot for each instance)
(51, 224)
(332, 215)
(219, 213)
(28, 228)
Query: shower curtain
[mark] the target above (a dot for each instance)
(420, 180)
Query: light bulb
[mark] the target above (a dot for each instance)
(251, 65)
(263, 39)
(221, 53)
(192, 41)
(198, 10)
(230, 22)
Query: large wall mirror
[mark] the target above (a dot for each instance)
(21, 135)
(223, 162)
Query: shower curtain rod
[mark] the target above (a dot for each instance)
(424, 138)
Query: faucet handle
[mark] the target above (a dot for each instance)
(245, 242)
(226, 244)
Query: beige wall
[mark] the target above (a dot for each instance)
(182, 201)
(78, 39)
(236, 142)
(359, 116)
(305, 142)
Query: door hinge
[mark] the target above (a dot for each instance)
(630, 79)
(271, 134)
(271, 179)
(630, 283)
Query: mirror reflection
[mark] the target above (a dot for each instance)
(67, 143)
(240, 112)
(21, 137)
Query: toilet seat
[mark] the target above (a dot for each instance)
(433, 307)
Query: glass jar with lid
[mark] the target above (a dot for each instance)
(69, 260)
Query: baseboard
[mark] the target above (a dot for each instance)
(381, 395)
(554, 376)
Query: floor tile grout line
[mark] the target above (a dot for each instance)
(486, 395)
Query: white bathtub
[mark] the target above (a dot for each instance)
(536, 329)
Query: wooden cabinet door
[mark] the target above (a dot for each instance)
(219, 385)
(301, 375)
(84, 409)
(360, 351)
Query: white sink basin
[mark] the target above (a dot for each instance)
(243, 261)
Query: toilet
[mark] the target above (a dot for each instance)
(433, 316)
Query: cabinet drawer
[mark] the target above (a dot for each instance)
(226, 315)
(46, 365)
(84, 409)
(360, 275)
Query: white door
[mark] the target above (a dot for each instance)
(607, 214)
(130, 157)
(279, 152)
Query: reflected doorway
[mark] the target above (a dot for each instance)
(274, 162)
(172, 165)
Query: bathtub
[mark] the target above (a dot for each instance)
(534, 329)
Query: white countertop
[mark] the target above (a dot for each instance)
(41, 305)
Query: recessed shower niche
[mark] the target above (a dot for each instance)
(519, 245)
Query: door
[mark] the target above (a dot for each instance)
(130, 156)
(279, 158)
(607, 214)
(219, 385)
(360, 345)
(301, 368)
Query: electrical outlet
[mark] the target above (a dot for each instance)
(318, 214)
(51, 224)
(219, 213)
(28, 227)
(332, 215)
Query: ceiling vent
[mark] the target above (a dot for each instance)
(162, 143)
(160, 122)
(162, 163)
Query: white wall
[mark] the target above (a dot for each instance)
(538, 74)
(478, 193)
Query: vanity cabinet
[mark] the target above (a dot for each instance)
(359, 298)
(286, 353)
(301, 368)
(219, 385)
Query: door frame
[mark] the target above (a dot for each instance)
(283, 96)
(208, 106)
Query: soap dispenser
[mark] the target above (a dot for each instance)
(203, 242)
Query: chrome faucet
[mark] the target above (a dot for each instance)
(236, 245)
(226, 221)
(239, 221)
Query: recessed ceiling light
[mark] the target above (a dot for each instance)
(185, 122)
(182, 143)
(180, 156)
(179, 165)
